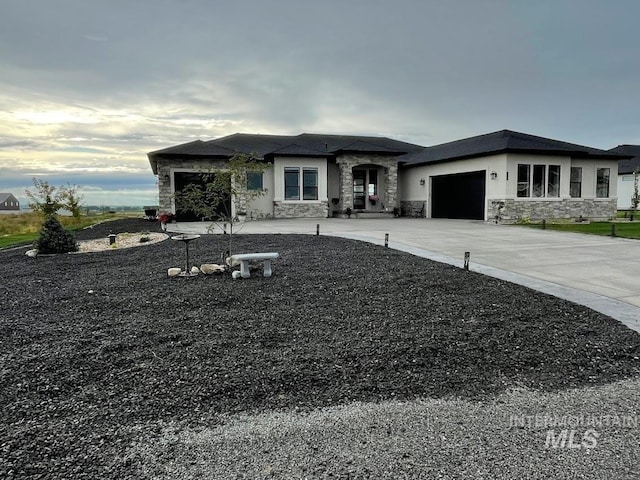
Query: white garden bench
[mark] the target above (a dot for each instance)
(244, 258)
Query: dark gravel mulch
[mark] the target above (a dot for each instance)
(98, 348)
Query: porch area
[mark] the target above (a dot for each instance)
(367, 187)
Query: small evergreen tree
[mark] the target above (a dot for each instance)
(54, 238)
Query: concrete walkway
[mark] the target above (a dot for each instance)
(602, 273)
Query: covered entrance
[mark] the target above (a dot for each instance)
(220, 208)
(460, 195)
(365, 188)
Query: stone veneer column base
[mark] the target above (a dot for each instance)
(416, 208)
(300, 210)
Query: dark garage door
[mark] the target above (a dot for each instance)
(458, 196)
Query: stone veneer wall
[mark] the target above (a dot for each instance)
(300, 209)
(567, 208)
(165, 189)
(413, 208)
(346, 163)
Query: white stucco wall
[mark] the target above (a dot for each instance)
(410, 187)
(515, 159)
(263, 206)
(625, 190)
(280, 163)
(333, 181)
(504, 186)
(589, 176)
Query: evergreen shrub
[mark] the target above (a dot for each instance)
(54, 238)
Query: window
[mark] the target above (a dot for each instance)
(553, 181)
(310, 184)
(575, 182)
(292, 184)
(373, 182)
(602, 183)
(538, 181)
(254, 181)
(523, 180)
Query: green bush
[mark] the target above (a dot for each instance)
(54, 238)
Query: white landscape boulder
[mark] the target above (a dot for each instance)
(211, 268)
(32, 253)
(174, 272)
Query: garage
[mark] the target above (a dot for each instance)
(460, 195)
(220, 208)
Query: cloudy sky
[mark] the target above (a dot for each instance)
(88, 87)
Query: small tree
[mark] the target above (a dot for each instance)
(71, 199)
(55, 239)
(635, 199)
(47, 200)
(224, 194)
(44, 200)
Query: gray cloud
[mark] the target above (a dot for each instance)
(138, 76)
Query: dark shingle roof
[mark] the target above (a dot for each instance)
(503, 141)
(266, 146)
(6, 196)
(628, 165)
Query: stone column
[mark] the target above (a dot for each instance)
(391, 192)
(346, 185)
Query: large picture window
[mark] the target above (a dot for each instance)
(575, 184)
(538, 181)
(602, 182)
(294, 190)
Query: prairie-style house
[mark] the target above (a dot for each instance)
(505, 175)
(627, 169)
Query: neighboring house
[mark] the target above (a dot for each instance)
(626, 169)
(503, 174)
(8, 202)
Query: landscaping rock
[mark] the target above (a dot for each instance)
(86, 376)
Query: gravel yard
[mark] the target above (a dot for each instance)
(99, 351)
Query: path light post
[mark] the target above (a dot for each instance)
(466, 260)
(386, 240)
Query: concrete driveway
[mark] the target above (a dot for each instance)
(602, 273)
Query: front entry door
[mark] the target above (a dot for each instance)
(359, 192)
